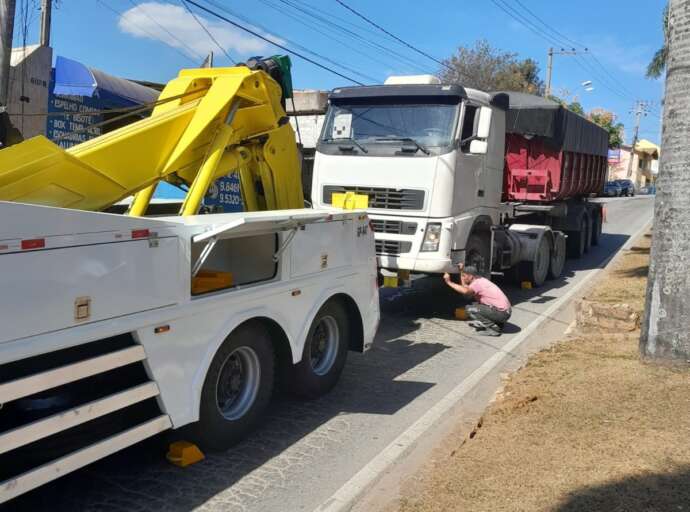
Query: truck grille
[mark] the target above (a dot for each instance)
(394, 227)
(385, 198)
(392, 247)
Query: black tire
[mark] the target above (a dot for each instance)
(576, 240)
(596, 227)
(477, 253)
(536, 271)
(557, 260)
(316, 374)
(588, 233)
(218, 429)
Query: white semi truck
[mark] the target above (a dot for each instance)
(452, 174)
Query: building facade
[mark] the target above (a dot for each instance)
(645, 163)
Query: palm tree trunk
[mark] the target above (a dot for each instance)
(666, 324)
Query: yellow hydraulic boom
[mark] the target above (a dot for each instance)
(207, 123)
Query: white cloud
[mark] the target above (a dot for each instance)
(147, 19)
(631, 59)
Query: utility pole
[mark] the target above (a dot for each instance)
(640, 109)
(549, 72)
(549, 65)
(46, 8)
(665, 334)
(7, 8)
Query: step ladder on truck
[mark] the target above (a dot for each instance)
(120, 327)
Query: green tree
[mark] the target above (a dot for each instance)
(607, 120)
(576, 107)
(658, 64)
(487, 68)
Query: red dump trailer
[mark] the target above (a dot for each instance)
(555, 160)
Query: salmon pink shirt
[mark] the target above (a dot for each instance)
(489, 294)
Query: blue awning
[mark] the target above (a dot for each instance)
(73, 78)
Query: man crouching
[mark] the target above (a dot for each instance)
(490, 309)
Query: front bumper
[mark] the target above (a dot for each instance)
(410, 257)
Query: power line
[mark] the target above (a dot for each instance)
(173, 36)
(292, 42)
(302, 48)
(208, 32)
(526, 22)
(562, 39)
(328, 24)
(151, 35)
(549, 27)
(317, 29)
(274, 43)
(309, 11)
(394, 36)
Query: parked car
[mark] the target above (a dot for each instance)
(627, 187)
(611, 189)
(649, 190)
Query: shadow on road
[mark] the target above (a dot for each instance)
(646, 492)
(140, 479)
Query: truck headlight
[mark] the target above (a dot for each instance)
(432, 237)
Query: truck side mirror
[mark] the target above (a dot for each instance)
(479, 147)
(484, 127)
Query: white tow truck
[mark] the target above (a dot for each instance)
(116, 328)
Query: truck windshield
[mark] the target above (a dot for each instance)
(425, 125)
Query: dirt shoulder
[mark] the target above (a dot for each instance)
(584, 426)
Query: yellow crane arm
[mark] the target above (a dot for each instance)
(208, 123)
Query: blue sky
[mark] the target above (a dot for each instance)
(134, 45)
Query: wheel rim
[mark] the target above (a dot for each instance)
(238, 383)
(324, 343)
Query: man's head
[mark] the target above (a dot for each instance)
(467, 274)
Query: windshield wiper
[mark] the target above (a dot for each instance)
(348, 139)
(405, 139)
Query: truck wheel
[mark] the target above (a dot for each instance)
(324, 354)
(537, 270)
(477, 253)
(596, 228)
(557, 260)
(576, 240)
(237, 388)
(588, 233)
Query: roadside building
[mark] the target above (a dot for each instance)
(645, 164)
(306, 117)
(69, 102)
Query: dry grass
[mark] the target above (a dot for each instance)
(584, 426)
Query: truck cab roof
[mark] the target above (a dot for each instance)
(399, 90)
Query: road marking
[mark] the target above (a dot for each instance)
(345, 497)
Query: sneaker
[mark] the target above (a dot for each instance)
(488, 332)
(477, 325)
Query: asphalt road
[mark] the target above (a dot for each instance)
(305, 451)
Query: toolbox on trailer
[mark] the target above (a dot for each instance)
(98, 272)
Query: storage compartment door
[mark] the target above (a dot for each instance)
(322, 246)
(44, 291)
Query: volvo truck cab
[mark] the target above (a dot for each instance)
(430, 159)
